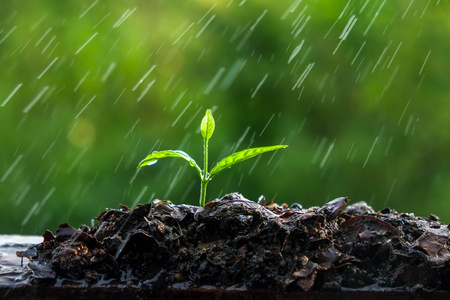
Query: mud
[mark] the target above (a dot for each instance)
(236, 243)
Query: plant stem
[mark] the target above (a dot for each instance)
(203, 192)
(205, 174)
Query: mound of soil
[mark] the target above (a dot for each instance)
(238, 243)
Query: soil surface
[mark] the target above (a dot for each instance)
(238, 243)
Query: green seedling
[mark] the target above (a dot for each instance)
(207, 128)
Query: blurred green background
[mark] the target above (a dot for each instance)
(359, 90)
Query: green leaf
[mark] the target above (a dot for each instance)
(207, 125)
(241, 156)
(157, 155)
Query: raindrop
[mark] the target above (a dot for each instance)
(370, 152)
(327, 154)
(256, 161)
(21, 47)
(425, 61)
(113, 46)
(232, 73)
(351, 22)
(81, 81)
(426, 6)
(108, 71)
(303, 76)
(133, 177)
(8, 34)
(30, 213)
(11, 94)
(179, 116)
(318, 150)
(131, 129)
(267, 124)
(122, 246)
(192, 118)
(244, 40)
(388, 147)
(395, 53)
(414, 127)
(206, 25)
(240, 180)
(295, 51)
(95, 178)
(77, 160)
(46, 197)
(235, 147)
(11, 167)
(147, 88)
(72, 129)
(98, 23)
(43, 36)
(48, 44)
(291, 9)
(120, 95)
(124, 16)
(259, 19)
(81, 111)
(302, 27)
(301, 125)
(276, 165)
(214, 80)
(35, 99)
(204, 16)
(51, 52)
(259, 85)
(51, 145)
(322, 83)
(175, 103)
(87, 9)
(363, 7)
(390, 192)
(252, 140)
(174, 181)
(170, 83)
(350, 151)
(48, 173)
(381, 56)
(35, 25)
(87, 42)
(420, 82)
(407, 9)
(300, 94)
(48, 67)
(143, 78)
(340, 16)
(374, 17)
(23, 192)
(408, 125)
(189, 27)
(275, 152)
(141, 194)
(390, 80)
(118, 164)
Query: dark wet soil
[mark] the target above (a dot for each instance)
(234, 242)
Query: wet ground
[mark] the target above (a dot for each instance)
(11, 271)
(234, 243)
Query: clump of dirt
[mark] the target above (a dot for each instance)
(235, 242)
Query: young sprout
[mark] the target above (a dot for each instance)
(207, 128)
